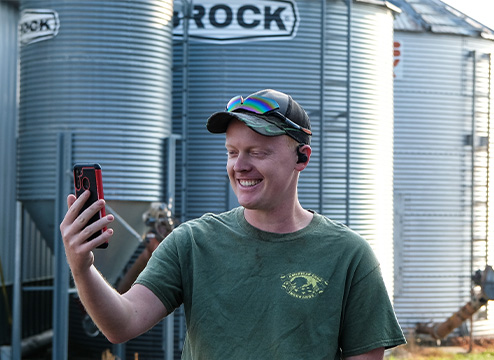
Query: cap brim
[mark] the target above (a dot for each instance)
(218, 123)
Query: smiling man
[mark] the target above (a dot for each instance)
(266, 280)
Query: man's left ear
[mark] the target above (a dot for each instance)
(303, 152)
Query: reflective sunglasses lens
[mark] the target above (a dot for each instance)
(255, 104)
(234, 103)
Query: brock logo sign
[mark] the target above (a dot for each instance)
(237, 21)
(38, 25)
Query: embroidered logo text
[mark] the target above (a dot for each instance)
(303, 285)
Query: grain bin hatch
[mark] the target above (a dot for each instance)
(97, 74)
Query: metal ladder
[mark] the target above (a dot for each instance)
(480, 162)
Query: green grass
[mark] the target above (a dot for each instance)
(487, 355)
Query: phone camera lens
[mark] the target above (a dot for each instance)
(85, 183)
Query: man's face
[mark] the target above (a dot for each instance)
(262, 169)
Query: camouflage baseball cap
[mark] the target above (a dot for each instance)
(268, 112)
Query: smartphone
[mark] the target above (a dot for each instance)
(89, 177)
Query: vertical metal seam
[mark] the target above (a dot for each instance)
(472, 155)
(489, 85)
(348, 105)
(321, 104)
(185, 103)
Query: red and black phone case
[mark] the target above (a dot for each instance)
(89, 177)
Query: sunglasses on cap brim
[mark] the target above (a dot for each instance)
(262, 106)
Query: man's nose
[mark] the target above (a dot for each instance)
(242, 163)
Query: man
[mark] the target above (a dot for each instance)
(267, 280)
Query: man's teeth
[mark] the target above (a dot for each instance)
(249, 182)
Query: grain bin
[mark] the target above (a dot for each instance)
(8, 76)
(301, 48)
(95, 86)
(442, 90)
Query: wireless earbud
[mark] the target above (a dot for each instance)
(302, 158)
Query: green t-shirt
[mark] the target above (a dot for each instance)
(313, 294)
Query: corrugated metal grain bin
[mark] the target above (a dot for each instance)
(96, 74)
(441, 93)
(95, 87)
(8, 113)
(299, 48)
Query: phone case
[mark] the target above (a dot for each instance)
(89, 177)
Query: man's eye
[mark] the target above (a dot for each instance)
(258, 154)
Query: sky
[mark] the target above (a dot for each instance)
(480, 10)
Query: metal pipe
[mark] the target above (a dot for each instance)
(483, 279)
(168, 325)
(440, 331)
(36, 342)
(5, 295)
(61, 267)
(187, 14)
(171, 188)
(17, 286)
(119, 351)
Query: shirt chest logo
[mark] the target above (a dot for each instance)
(303, 285)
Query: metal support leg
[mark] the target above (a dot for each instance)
(169, 330)
(17, 289)
(61, 268)
(119, 351)
(168, 324)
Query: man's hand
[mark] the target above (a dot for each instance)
(119, 317)
(75, 232)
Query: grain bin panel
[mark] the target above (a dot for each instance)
(371, 132)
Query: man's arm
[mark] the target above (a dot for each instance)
(376, 354)
(119, 317)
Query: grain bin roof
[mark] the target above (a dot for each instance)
(437, 17)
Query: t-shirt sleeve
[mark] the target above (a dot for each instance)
(369, 321)
(163, 274)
